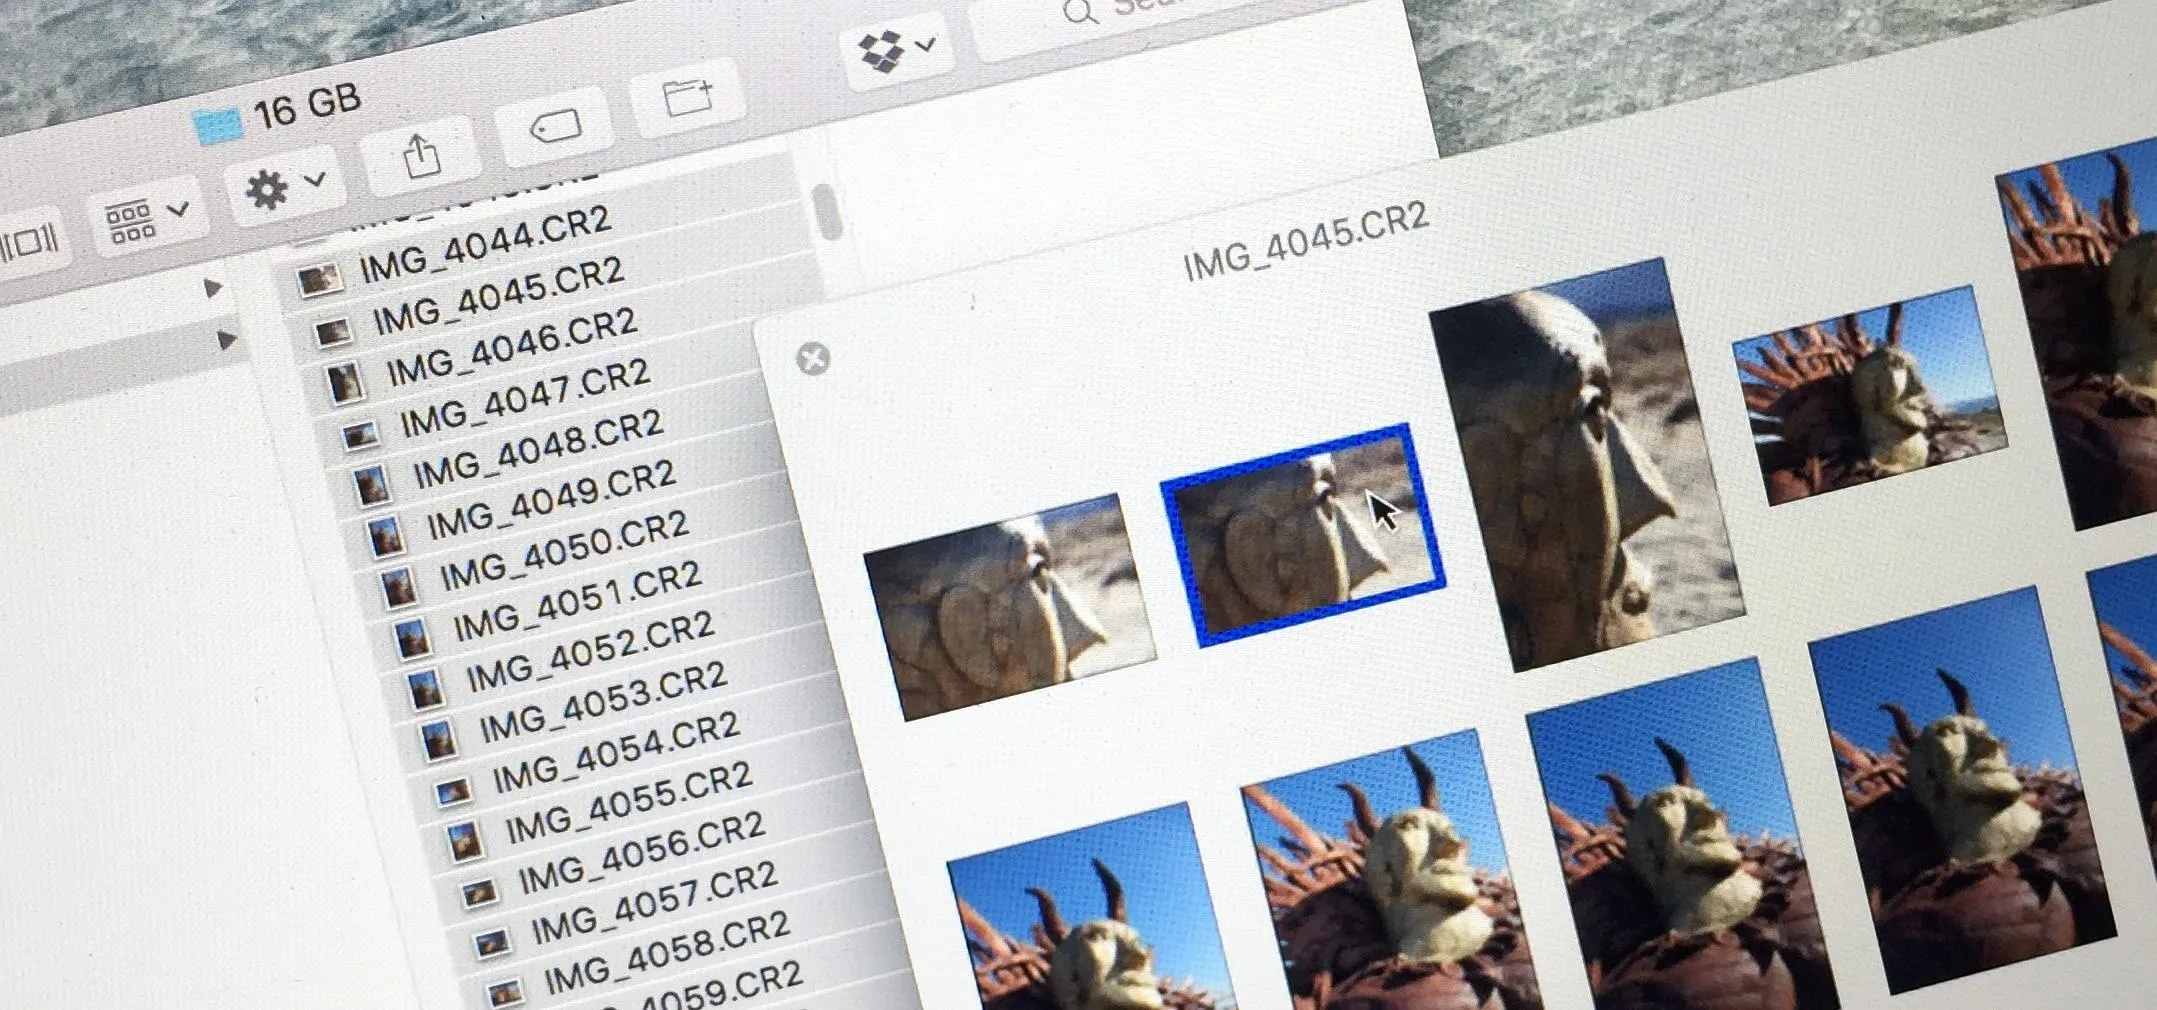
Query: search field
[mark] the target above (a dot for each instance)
(1008, 29)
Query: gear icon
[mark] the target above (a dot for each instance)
(267, 189)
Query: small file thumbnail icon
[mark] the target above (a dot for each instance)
(216, 126)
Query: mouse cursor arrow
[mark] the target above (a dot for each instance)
(1382, 511)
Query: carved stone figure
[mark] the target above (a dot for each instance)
(1099, 965)
(1676, 914)
(2131, 293)
(1845, 410)
(1393, 917)
(978, 615)
(1416, 868)
(1103, 964)
(2134, 691)
(1274, 542)
(1969, 861)
(1960, 778)
(1680, 845)
(2087, 285)
(1559, 484)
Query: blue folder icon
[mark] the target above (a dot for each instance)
(215, 126)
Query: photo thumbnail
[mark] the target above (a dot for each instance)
(1960, 780)
(1303, 534)
(385, 537)
(360, 436)
(1410, 905)
(412, 639)
(320, 279)
(438, 740)
(479, 893)
(1590, 473)
(490, 944)
(370, 484)
(1010, 607)
(506, 993)
(426, 688)
(1109, 916)
(464, 843)
(2125, 596)
(453, 793)
(333, 333)
(1833, 407)
(1693, 891)
(2088, 273)
(399, 590)
(345, 384)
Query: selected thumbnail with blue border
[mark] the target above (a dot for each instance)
(1303, 534)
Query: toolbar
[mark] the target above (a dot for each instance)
(464, 121)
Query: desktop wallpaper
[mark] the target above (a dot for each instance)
(1494, 71)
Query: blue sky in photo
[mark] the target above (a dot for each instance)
(1154, 854)
(1996, 646)
(2125, 595)
(1079, 510)
(1636, 291)
(1941, 330)
(1717, 717)
(1463, 790)
(2089, 177)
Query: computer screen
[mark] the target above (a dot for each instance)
(1077, 505)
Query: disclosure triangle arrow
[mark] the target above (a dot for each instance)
(210, 288)
(226, 340)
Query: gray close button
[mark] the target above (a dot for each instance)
(813, 358)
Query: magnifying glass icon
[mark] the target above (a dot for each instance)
(1076, 11)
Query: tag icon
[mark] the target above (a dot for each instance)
(554, 127)
(557, 126)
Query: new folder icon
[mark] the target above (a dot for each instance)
(691, 97)
(687, 98)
